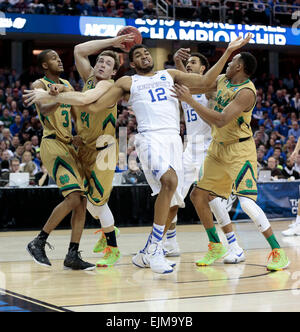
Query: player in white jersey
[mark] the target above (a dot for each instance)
(158, 131)
(198, 140)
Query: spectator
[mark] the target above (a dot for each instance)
(100, 9)
(282, 129)
(19, 153)
(262, 135)
(4, 173)
(27, 165)
(14, 143)
(16, 127)
(42, 178)
(83, 8)
(150, 11)
(139, 7)
(122, 163)
(272, 166)
(134, 174)
(289, 171)
(15, 165)
(295, 102)
(130, 12)
(51, 8)
(67, 8)
(21, 7)
(36, 7)
(6, 118)
(261, 163)
(295, 130)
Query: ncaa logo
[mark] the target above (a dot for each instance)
(163, 78)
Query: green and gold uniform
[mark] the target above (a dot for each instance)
(98, 155)
(231, 162)
(57, 152)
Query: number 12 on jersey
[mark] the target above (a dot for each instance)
(158, 94)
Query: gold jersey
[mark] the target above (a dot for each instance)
(57, 124)
(91, 125)
(239, 127)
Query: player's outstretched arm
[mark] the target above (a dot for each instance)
(72, 98)
(205, 82)
(243, 101)
(180, 56)
(84, 50)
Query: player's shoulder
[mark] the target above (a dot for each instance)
(124, 82)
(38, 84)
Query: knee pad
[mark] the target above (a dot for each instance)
(103, 213)
(255, 213)
(218, 208)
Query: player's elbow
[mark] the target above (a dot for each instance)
(221, 122)
(78, 50)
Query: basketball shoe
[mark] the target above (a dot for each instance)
(294, 229)
(234, 255)
(215, 251)
(111, 256)
(279, 261)
(156, 258)
(73, 261)
(36, 248)
(171, 248)
(102, 243)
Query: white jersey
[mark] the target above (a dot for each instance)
(195, 125)
(151, 101)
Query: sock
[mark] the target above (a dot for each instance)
(43, 236)
(273, 242)
(73, 246)
(111, 239)
(213, 235)
(231, 239)
(157, 233)
(171, 234)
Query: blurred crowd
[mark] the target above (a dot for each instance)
(232, 11)
(275, 125)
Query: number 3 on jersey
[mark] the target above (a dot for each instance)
(191, 115)
(158, 94)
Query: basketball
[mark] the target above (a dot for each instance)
(137, 36)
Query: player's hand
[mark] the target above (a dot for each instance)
(54, 91)
(118, 41)
(293, 156)
(182, 54)
(239, 42)
(182, 93)
(37, 95)
(77, 141)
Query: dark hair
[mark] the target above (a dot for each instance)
(113, 55)
(41, 58)
(203, 60)
(250, 63)
(4, 164)
(135, 47)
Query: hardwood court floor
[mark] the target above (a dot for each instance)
(248, 286)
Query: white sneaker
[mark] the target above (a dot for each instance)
(171, 248)
(141, 259)
(293, 230)
(157, 261)
(234, 255)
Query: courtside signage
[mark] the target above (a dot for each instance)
(153, 29)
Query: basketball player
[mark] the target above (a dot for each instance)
(59, 157)
(294, 228)
(198, 141)
(158, 143)
(231, 161)
(90, 127)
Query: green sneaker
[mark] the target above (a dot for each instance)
(215, 251)
(279, 262)
(111, 256)
(101, 243)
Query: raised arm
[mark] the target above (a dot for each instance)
(243, 102)
(181, 55)
(82, 52)
(204, 83)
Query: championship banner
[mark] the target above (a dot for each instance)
(156, 29)
(277, 200)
